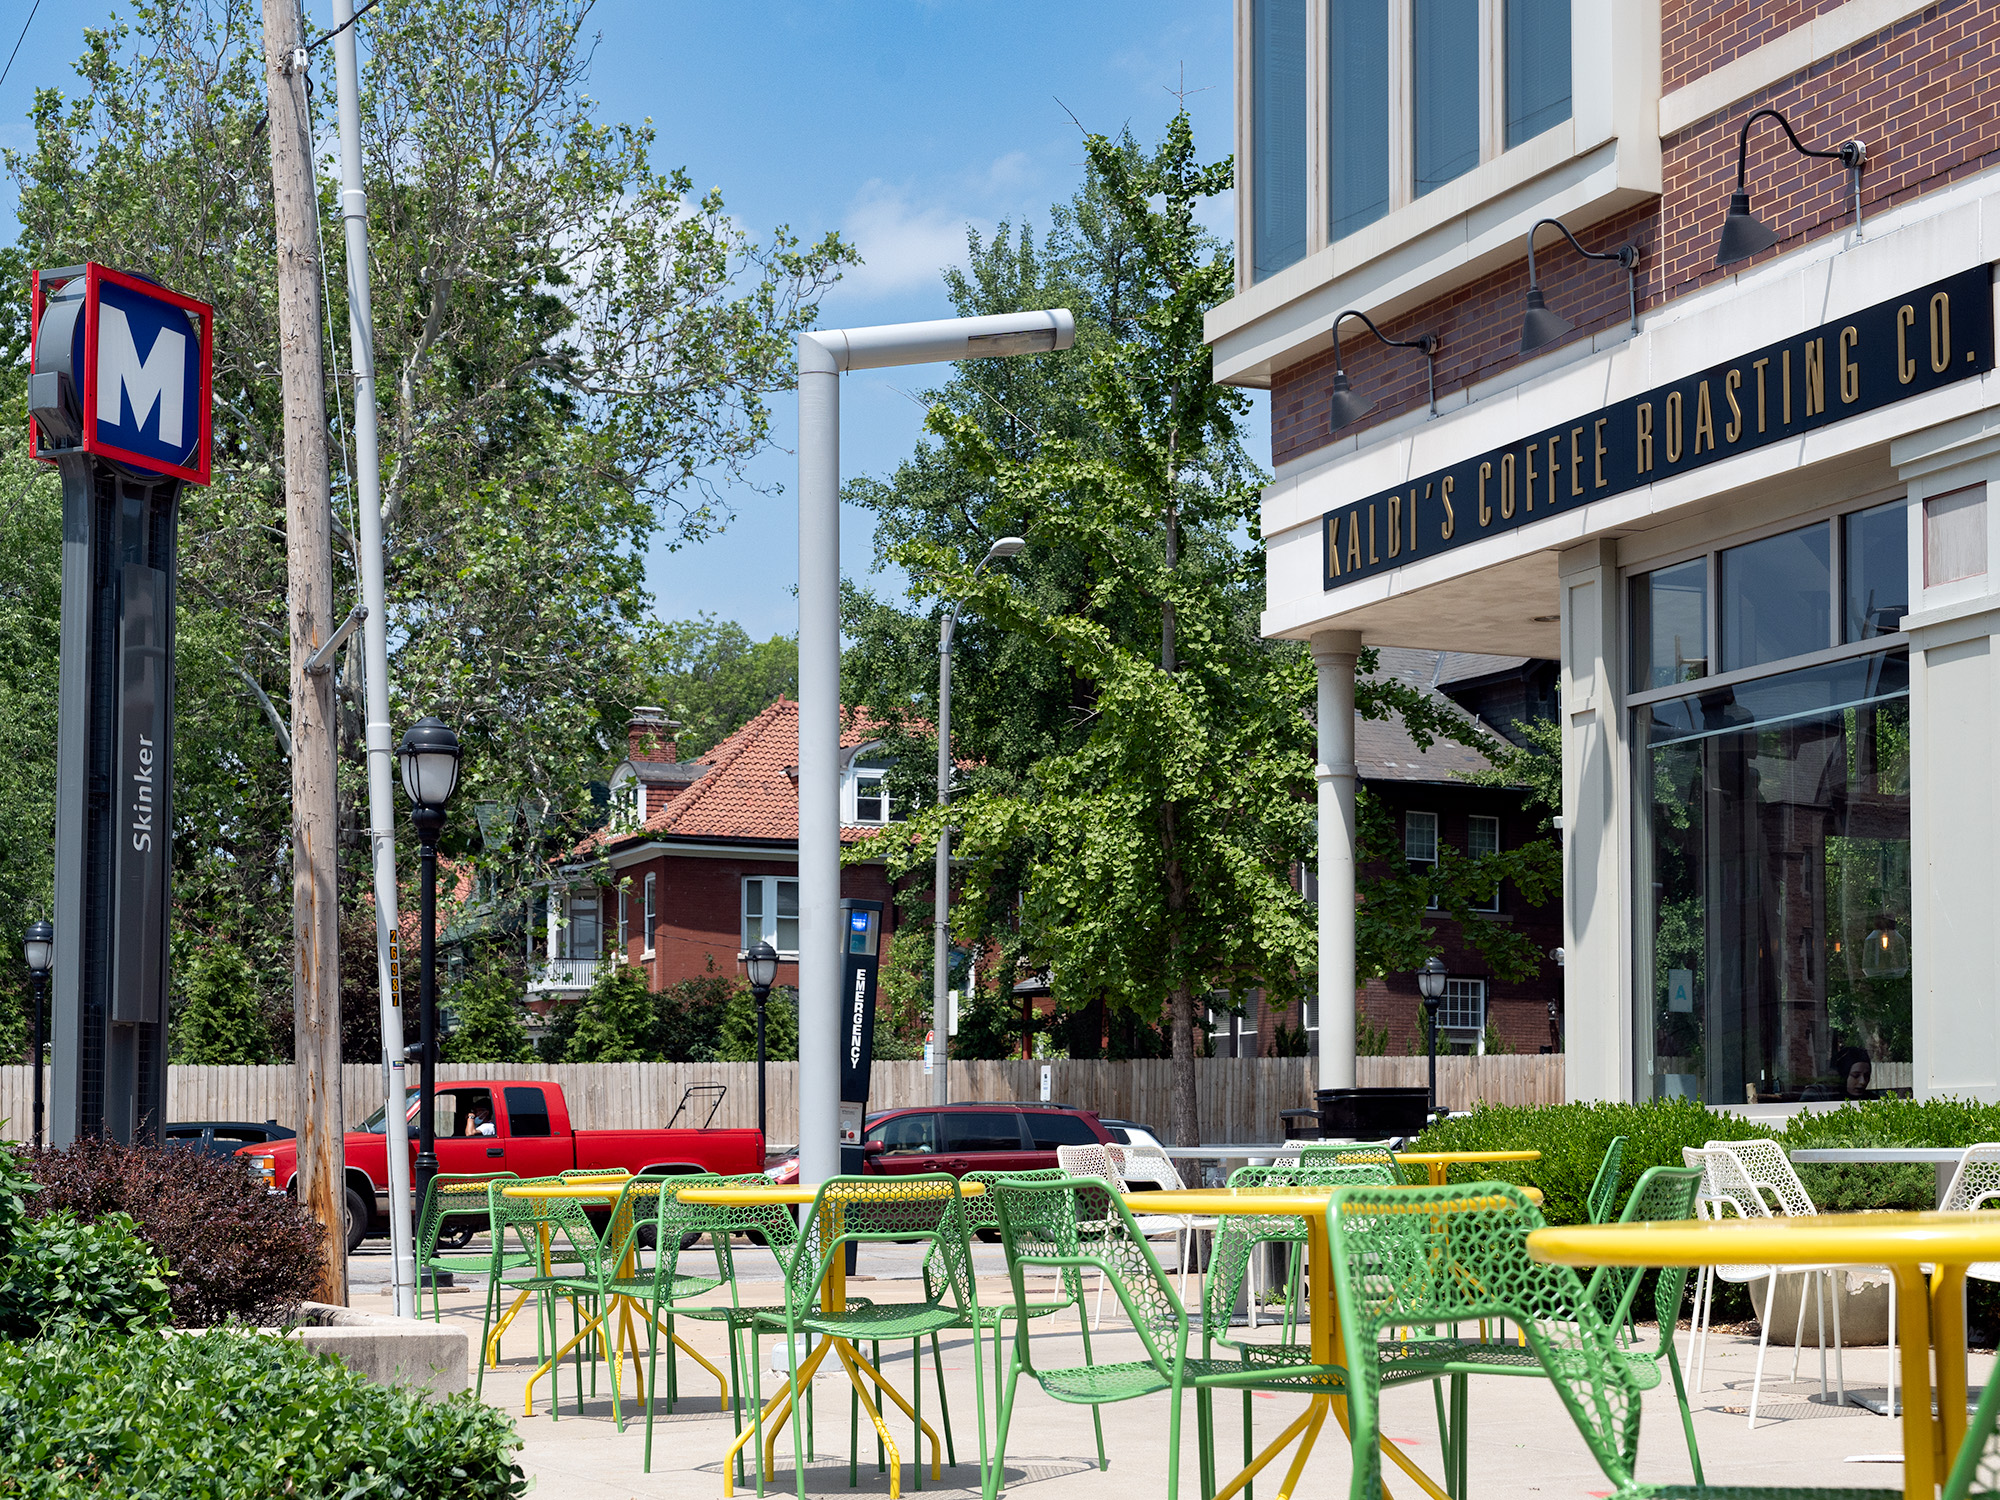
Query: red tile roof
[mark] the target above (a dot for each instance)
(750, 790)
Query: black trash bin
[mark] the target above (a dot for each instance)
(1372, 1114)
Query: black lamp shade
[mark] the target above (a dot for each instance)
(1539, 326)
(1430, 979)
(762, 962)
(1343, 407)
(429, 754)
(1742, 235)
(39, 947)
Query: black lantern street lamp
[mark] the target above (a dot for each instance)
(39, 948)
(1430, 984)
(762, 962)
(429, 753)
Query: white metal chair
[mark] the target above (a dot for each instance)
(1976, 1184)
(1149, 1163)
(1107, 1163)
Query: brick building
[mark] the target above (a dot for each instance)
(1746, 510)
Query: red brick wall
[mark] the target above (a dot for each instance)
(1699, 36)
(1921, 94)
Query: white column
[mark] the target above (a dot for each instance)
(1334, 652)
(819, 762)
(555, 921)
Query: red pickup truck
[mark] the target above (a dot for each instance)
(509, 1125)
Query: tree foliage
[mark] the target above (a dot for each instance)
(709, 675)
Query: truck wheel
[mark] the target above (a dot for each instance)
(357, 1220)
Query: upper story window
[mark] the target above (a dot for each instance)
(650, 915)
(1277, 135)
(865, 794)
(581, 935)
(1482, 837)
(1420, 843)
(771, 913)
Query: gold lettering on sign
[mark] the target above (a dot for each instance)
(1815, 377)
(1555, 466)
(1597, 477)
(1850, 370)
(1786, 357)
(1333, 548)
(1673, 427)
(1729, 384)
(1353, 540)
(1450, 521)
(1645, 437)
(1413, 515)
(1759, 368)
(1704, 419)
(1940, 332)
(1528, 489)
(1507, 486)
(1372, 558)
(1395, 525)
(1575, 460)
(1906, 368)
(1485, 511)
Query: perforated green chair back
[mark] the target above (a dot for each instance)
(1662, 1193)
(454, 1196)
(847, 1211)
(1349, 1154)
(1458, 1254)
(1237, 1236)
(1602, 1202)
(556, 1227)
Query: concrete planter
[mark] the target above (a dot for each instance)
(410, 1352)
(1864, 1307)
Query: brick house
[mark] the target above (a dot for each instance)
(700, 858)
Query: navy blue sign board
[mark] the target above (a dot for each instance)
(860, 958)
(1905, 346)
(118, 397)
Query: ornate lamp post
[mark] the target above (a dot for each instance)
(762, 962)
(39, 949)
(429, 754)
(1430, 984)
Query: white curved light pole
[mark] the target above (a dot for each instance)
(823, 355)
(1007, 546)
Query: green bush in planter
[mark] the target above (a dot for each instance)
(235, 1416)
(68, 1278)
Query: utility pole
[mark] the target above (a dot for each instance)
(309, 600)
(375, 654)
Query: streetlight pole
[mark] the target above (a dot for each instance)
(39, 948)
(430, 755)
(824, 355)
(1007, 546)
(1430, 984)
(762, 962)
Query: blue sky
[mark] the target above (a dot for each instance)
(897, 122)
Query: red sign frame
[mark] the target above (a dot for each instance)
(95, 276)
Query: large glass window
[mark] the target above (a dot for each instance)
(1670, 625)
(1444, 73)
(1774, 886)
(1357, 70)
(1277, 134)
(1875, 565)
(1775, 598)
(1538, 86)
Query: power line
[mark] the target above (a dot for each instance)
(20, 39)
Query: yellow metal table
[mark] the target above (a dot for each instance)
(1436, 1162)
(1328, 1347)
(1930, 1310)
(833, 1298)
(606, 1189)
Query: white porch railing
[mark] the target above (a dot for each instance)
(566, 974)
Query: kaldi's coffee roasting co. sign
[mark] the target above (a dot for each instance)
(1906, 346)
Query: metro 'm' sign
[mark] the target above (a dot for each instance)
(121, 369)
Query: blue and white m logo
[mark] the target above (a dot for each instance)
(157, 380)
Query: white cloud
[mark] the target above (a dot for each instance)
(903, 243)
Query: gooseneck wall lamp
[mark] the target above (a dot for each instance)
(1742, 234)
(1539, 326)
(1345, 408)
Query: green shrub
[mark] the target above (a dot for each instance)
(235, 1416)
(69, 1277)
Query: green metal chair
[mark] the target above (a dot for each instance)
(645, 1202)
(556, 1233)
(1435, 1257)
(456, 1199)
(1350, 1154)
(1039, 1225)
(1977, 1468)
(878, 1210)
(1602, 1201)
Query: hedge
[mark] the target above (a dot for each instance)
(226, 1415)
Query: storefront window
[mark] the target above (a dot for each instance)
(1774, 886)
(1875, 561)
(1775, 598)
(1670, 626)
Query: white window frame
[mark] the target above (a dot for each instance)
(1410, 815)
(1472, 823)
(767, 913)
(570, 899)
(850, 790)
(624, 919)
(1462, 991)
(650, 912)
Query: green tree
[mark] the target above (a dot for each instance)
(488, 1003)
(217, 1017)
(781, 1026)
(691, 1013)
(615, 1022)
(713, 678)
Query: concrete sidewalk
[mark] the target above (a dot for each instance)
(1523, 1442)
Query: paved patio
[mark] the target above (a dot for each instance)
(1523, 1443)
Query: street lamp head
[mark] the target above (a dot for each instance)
(1430, 981)
(762, 964)
(430, 754)
(39, 947)
(1007, 546)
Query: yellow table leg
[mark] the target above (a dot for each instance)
(850, 1357)
(500, 1327)
(556, 1358)
(1948, 1339)
(1276, 1446)
(1921, 1443)
(853, 1355)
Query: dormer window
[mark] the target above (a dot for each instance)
(865, 793)
(638, 800)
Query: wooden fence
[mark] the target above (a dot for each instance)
(1240, 1099)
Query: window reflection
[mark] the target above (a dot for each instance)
(1670, 626)
(1875, 561)
(1357, 71)
(1538, 88)
(1444, 69)
(1775, 598)
(1277, 135)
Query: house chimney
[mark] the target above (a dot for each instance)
(649, 735)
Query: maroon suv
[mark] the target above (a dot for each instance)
(961, 1138)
